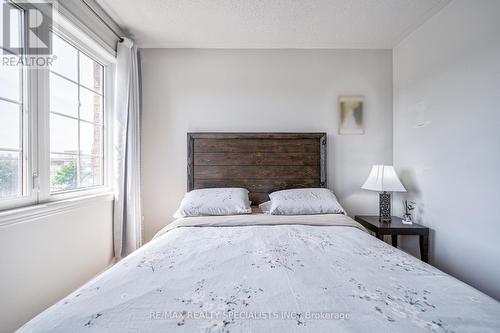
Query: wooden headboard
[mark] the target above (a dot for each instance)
(259, 162)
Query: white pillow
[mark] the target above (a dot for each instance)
(214, 201)
(265, 207)
(304, 201)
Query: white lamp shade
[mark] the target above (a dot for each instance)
(383, 178)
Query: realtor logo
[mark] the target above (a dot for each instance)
(37, 16)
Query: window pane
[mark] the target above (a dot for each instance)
(2, 2)
(11, 162)
(90, 139)
(66, 62)
(9, 125)
(62, 172)
(63, 134)
(76, 131)
(90, 171)
(10, 82)
(90, 73)
(91, 106)
(14, 28)
(63, 96)
(10, 174)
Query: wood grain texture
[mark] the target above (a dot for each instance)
(256, 145)
(258, 185)
(260, 162)
(190, 162)
(258, 197)
(255, 172)
(256, 159)
(256, 135)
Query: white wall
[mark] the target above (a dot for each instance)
(261, 90)
(447, 136)
(43, 260)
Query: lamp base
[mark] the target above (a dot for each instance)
(385, 207)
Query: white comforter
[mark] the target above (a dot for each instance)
(259, 273)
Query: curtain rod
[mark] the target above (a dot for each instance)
(120, 38)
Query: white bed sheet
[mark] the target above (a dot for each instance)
(261, 273)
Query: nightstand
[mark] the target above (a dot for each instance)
(395, 228)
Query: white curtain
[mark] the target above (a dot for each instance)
(127, 219)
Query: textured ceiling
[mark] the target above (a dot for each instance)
(270, 23)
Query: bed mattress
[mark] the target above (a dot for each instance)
(261, 273)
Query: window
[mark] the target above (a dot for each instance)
(76, 119)
(12, 151)
(53, 120)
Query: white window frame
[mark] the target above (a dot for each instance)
(28, 110)
(36, 126)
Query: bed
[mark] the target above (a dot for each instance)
(264, 273)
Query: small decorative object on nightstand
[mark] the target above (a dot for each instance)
(408, 206)
(383, 179)
(396, 228)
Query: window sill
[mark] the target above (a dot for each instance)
(25, 214)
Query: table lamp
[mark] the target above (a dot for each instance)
(383, 179)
